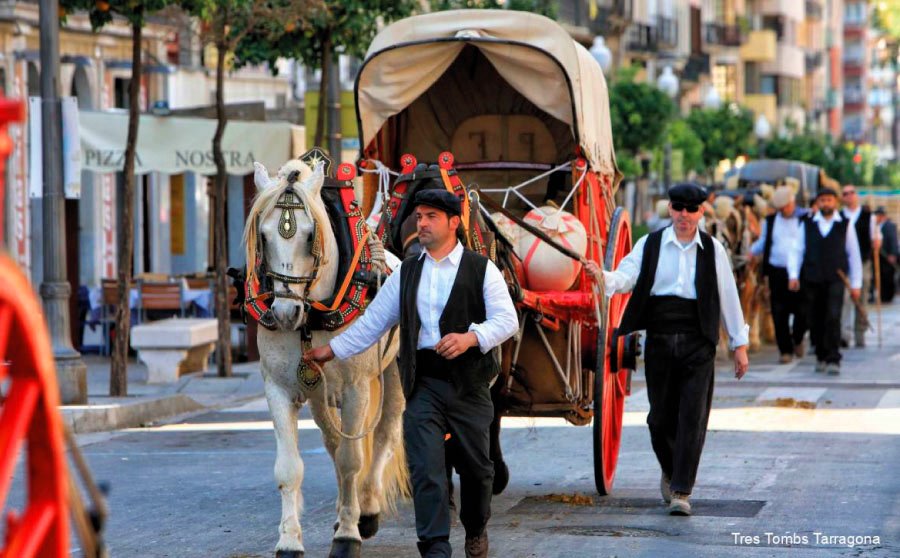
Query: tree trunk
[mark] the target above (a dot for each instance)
(118, 377)
(323, 92)
(223, 313)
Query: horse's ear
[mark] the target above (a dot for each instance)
(261, 176)
(314, 183)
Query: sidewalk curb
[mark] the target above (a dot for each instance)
(82, 419)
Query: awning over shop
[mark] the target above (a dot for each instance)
(173, 145)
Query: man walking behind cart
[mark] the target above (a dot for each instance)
(453, 307)
(827, 247)
(779, 236)
(682, 286)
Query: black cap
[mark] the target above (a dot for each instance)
(439, 199)
(689, 193)
(826, 192)
(881, 210)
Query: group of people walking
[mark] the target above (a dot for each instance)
(452, 307)
(819, 267)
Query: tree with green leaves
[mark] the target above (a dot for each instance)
(543, 7)
(726, 132)
(639, 113)
(101, 12)
(808, 147)
(688, 143)
(224, 25)
(340, 27)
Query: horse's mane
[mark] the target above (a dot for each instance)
(264, 202)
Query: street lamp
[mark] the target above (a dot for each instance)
(712, 100)
(601, 54)
(668, 84)
(762, 129)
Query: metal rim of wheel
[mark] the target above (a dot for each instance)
(609, 387)
(30, 425)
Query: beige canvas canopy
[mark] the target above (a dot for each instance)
(425, 83)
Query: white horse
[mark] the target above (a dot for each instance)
(369, 458)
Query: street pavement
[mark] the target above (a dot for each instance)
(791, 457)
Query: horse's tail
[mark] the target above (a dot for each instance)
(395, 478)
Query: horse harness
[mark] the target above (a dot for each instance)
(287, 228)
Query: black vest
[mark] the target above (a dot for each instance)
(824, 256)
(465, 306)
(863, 234)
(637, 317)
(767, 247)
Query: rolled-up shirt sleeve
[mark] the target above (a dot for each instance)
(501, 321)
(759, 245)
(623, 278)
(382, 314)
(730, 302)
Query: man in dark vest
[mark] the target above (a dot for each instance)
(863, 222)
(682, 289)
(828, 245)
(453, 307)
(779, 236)
(888, 255)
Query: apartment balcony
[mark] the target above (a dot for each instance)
(854, 96)
(761, 103)
(814, 10)
(722, 35)
(814, 60)
(695, 67)
(667, 31)
(642, 38)
(761, 46)
(789, 62)
(613, 17)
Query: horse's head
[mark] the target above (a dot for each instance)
(289, 242)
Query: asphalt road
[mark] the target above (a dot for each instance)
(790, 454)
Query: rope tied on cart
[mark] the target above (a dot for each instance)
(384, 189)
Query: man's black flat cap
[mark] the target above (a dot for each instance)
(689, 193)
(439, 199)
(826, 192)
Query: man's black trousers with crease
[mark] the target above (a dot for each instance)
(680, 369)
(824, 302)
(784, 304)
(434, 409)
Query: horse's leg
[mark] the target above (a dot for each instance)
(349, 462)
(387, 437)
(288, 470)
(318, 408)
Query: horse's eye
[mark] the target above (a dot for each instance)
(309, 238)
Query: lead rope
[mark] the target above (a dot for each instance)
(310, 375)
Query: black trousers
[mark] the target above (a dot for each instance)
(680, 369)
(888, 280)
(786, 303)
(435, 408)
(824, 302)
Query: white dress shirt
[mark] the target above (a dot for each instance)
(853, 216)
(785, 231)
(675, 274)
(435, 285)
(795, 261)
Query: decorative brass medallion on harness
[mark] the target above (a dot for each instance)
(309, 377)
(287, 225)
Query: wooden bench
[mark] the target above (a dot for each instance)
(173, 347)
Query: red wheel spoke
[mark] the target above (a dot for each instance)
(17, 412)
(31, 531)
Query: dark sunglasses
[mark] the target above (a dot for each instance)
(848, 193)
(678, 206)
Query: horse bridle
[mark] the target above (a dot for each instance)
(287, 228)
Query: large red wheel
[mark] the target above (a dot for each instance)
(29, 422)
(610, 387)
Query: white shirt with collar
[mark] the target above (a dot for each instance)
(795, 261)
(675, 275)
(785, 231)
(437, 280)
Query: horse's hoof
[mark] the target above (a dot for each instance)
(368, 526)
(501, 476)
(345, 548)
(288, 554)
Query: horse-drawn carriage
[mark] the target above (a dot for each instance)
(506, 110)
